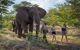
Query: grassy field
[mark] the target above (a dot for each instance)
(9, 40)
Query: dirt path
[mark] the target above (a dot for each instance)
(71, 45)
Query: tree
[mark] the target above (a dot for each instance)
(3, 8)
(4, 4)
(75, 6)
(23, 3)
(35, 5)
(61, 14)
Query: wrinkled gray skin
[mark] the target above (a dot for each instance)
(26, 16)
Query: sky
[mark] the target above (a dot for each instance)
(46, 4)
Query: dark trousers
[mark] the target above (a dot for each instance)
(44, 37)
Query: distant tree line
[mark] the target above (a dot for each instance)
(69, 13)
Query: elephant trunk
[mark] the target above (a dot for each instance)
(37, 21)
(37, 29)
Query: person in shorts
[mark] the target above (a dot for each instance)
(53, 32)
(64, 32)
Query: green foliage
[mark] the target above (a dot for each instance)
(7, 20)
(61, 14)
(23, 3)
(40, 42)
(3, 8)
(4, 4)
(75, 7)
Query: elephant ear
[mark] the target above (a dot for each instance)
(42, 12)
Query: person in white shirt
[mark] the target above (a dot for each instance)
(53, 32)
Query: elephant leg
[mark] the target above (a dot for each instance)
(24, 27)
(37, 21)
(19, 29)
(37, 30)
(30, 30)
(25, 31)
(31, 27)
(13, 27)
(16, 31)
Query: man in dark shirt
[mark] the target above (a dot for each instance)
(64, 32)
(44, 30)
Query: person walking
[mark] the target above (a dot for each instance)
(64, 32)
(44, 30)
(53, 32)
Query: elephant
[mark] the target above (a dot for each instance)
(14, 26)
(25, 18)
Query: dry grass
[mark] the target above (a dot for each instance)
(8, 39)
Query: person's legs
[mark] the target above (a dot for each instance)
(44, 37)
(66, 38)
(19, 32)
(62, 37)
(53, 37)
(64, 33)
